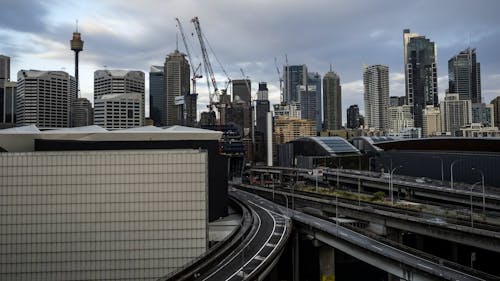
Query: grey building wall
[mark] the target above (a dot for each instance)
(101, 215)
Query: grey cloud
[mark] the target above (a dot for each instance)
(23, 15)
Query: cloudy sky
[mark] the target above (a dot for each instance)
(250, 35)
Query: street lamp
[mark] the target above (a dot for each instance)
(471, 209)
(391, 184)
(451, 171)
(442, 167)
(482, 183)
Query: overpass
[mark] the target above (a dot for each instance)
(397, 262)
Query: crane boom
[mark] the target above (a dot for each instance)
(206, 61)
(191, 62)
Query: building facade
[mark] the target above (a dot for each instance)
(420, 73)
(376, 96)
(119, 82)
(177, 85)
(464, 76)
(102, 215)
(4, 69)
(400, 118)
(119, 111)
(332, 100)
(308, 102)
(455, 114)
(156, 94)
(431, 121)
(293, 77)
(353, 117)
(8, 104)
(242, 90)
(44, 98)
(496, 111)
(483, 114)
(289, 128)
(287, 110)
(82, 113)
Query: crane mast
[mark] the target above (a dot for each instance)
(206, 61)
(191, 62)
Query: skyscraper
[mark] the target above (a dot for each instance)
(119, 111)
(118, 82)
(293, 76)
(242, 89)
(156, 93)
(455, 113)
(376, 96)
(44, 98)
(483, 114)
(177, 85)
(4, 69)
(420, 55)
(464, 76)
(308, 102)
(82, 113)
(262, 108)
(332, 100)
(352, 117)
(7, 104)
(496, 111)
(314, 79)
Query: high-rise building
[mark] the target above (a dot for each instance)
(308, 102)
(314, 79)
(156, 95)
(293, 77)
(431, 121)
(118, 82)
(4, 69)
(464, 76)
(262, 108)
(177, 85)
(242, 90)
(287, 129)
(287, 110)
(396, 101)
(44, 98)
(82, 113)
(352, 117)
(455, 113)
(119, 111)
(8, 104)
(496, 111)
(420, 56)
(376, 96)
(332, 100)
(400, 118)
(483, 114)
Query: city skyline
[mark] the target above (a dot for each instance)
(135, 36)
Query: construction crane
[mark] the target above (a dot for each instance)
(246, 81)
(206, 63)
(280, 78)
(191, 62)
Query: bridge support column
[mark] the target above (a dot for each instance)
(326, 263)
(295, 257)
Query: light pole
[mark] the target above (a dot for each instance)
(482, 183)
(471, 209)
(451, 171)
(442, 167)
(391, 184)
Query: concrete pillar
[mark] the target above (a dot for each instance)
(326, 263)
(295, 257)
